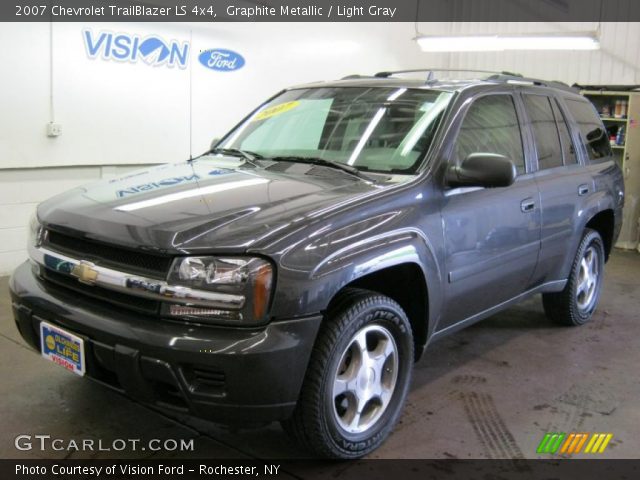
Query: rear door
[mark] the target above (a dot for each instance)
(491, 235)
(563, 181)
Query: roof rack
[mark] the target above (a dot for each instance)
(356, 77)
(506, 77)
(431, 70)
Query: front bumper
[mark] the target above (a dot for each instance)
(228, 375)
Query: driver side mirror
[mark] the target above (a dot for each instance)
(487, 170)
(214, 143)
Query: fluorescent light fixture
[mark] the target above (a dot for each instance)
(498, 43)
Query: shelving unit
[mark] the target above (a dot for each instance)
(627, 155)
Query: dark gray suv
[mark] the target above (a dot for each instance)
(297, 270)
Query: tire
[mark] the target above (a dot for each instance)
(575, 304)
(364, 350)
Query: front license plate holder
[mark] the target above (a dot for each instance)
(62, 348)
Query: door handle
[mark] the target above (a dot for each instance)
(527, 205)
(583, 189)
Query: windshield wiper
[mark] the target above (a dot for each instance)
(322, 162)
(234, 152)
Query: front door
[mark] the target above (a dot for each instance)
(491, 235)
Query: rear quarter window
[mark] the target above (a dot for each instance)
(592, 131)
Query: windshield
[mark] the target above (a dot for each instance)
(377, 129)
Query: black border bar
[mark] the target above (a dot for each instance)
(557, 468)
(320, 11)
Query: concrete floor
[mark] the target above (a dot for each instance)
(491, 391)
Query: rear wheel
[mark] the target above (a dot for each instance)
(357, 379)
(577, 302)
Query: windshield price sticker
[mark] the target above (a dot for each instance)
(276, 110)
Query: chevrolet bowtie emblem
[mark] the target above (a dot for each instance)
(85, 273)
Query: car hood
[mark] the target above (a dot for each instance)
(211, 204)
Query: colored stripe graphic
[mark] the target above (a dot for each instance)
(543, 443)
(598, 442)
(581, 443)
(567, 443)
(550, 443)
(573, 443)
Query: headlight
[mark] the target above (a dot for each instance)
(35, 231)
(250, 277)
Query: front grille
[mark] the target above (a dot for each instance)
(71, 285)
(133, 261)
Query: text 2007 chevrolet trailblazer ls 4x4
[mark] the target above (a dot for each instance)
(297, 270)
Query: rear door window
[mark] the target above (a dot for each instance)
(545, 131)
(568, 149)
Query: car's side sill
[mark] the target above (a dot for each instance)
(555, 286)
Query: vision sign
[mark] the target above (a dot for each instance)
(124, 47)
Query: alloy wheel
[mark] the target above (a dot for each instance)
(588, 278)
(365, 379)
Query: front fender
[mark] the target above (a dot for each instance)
(314, 270)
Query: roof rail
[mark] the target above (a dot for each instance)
(430, 70)
(495, 76)
(356, 77)
(506, 77)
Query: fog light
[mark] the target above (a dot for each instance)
(187, 311)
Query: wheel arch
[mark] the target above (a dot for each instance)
(392, 282)
(603, 222)
(318, 270)
(598, 214)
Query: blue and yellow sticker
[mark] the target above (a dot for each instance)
(275, 110)
(62, 348)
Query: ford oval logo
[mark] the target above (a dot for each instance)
(221, 60)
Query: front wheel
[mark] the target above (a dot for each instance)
(357, 379)
(577, 302)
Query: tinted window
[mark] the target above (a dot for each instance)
(491, 126)
(384, 129)
(591, 130)
(568, 150)
(545, 132)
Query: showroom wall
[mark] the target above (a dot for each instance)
(117, 114)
